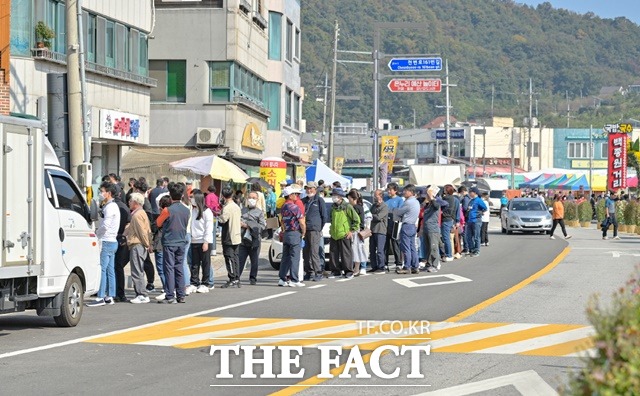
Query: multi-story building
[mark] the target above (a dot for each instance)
(228, 78)
(115, 35)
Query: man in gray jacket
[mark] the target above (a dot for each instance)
(315, 218)
(377, 244)
(253, 223)
(432, 228)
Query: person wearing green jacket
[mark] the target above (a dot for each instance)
(345, 224)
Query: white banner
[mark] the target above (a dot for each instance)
(116, 125)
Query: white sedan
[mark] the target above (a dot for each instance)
(275, 250)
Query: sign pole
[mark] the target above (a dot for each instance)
(591, 158)
(376, 110)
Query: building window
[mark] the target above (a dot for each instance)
(220, 82)
(55, 18)
(275, 36)
(425, 150)
(21, 29)
(296, 112)
(172, 80)
(578, 150)
(287, 107)
(289, 41)
(90, 41)
(297, 45)
(604, 153)
(274, 101)
(247, 85)
(143, 55)
(536, 150)
(110, 44)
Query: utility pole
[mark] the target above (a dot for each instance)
(447, 125)
(74, 91)
(414, 118)
(324, 112)
(529, 145)
(376, 111)
(513, 181)
(334, 86)
(591, 158)
(566, 94)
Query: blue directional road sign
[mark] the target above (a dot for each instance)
(415, 64)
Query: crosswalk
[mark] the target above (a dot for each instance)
(444, 337)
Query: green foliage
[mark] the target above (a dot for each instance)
(570, 211)
(585, 212)
(615, 370)
(637, 223)
(560, 50)
(600, 210)
(630, 212)
(44, 33)
(620, 209)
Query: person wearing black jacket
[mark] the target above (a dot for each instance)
(377, 243)
(122, 254)
(315, 216)
(449, 217)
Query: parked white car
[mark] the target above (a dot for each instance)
(275, 250)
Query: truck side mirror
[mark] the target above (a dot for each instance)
(94, 212)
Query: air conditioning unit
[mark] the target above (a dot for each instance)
(209, 136)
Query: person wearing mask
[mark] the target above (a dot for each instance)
(270, 202)
(253, 223)
(107, 234)
(201, 239)
(138, 240)
(174, 221)
(408, 214)
(378, 240)
(159, 189)
(610, 215)
(315, 218)
(474, 221)
(449, 216)
(213, 203)
(345, 224)
(432, 229)
(122, 254)
(465, 198)
(357, 243)
(294, 228)
(230, 218)
(558, 217)
(141, 187)
(165, 202)
(393, 248)
(484, 231)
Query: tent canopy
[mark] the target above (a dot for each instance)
(320, 171)
(575, 183)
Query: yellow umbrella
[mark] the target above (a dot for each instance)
(211, 165)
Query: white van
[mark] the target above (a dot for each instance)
(495, 188)
(50, 255)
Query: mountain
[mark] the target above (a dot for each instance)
(493, 48)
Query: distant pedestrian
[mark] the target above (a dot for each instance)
(201, 241)
(139, 242)
(474, 221)
(432, 229)
(449, 216)
(464, 202)
(159, 189)
(174, 221)
(394, 201)
(253, 222)
(357, 243)
(231, 236)
(558, 217)
(345, 224)
(408, 214)
(294, 228)
(378, 240)
(484, 231)
(610, 215)
(315, 217)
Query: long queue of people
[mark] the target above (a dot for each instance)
(178, 225)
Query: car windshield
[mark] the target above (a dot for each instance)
(495, 194)
(527, 206)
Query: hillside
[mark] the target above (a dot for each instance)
(491, 45)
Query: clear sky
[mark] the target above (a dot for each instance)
(603, 8)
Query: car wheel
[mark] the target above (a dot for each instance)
(72, 303)
(274, 264)
(504, 230)
(509, 232)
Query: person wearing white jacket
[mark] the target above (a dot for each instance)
(201, 237)
(484, 230)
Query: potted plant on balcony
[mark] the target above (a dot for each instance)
(44, 35)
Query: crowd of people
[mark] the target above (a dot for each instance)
(177, 225)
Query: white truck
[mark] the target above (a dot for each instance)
(50, 256)
(495, 188)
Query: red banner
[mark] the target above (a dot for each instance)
(617, 172)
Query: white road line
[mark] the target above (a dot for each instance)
(217, 322)
(316, 287)
(480, 334)
(527, 383)
(144, 326)
(539, 342)
(235, 332)
(344, 280)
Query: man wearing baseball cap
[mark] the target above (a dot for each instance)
(474, 221)
(315, 217)
(345, 224)
(294, 228)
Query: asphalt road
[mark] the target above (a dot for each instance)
(170, 352)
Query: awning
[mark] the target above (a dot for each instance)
(492, 170)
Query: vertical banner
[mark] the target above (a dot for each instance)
(338, 164)
(617, 160)
(388, 149)
(273, 170)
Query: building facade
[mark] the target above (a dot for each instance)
(115, 35)
(228, 77)
(571, 149)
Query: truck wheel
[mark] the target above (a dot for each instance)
(72, 303)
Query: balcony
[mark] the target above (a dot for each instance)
(259, 20)
(245, 6)
(61, 59)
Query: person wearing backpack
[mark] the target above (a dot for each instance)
(345, 224)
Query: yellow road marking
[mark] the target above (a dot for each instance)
(565, 348)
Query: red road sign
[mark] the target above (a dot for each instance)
(415, 85)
